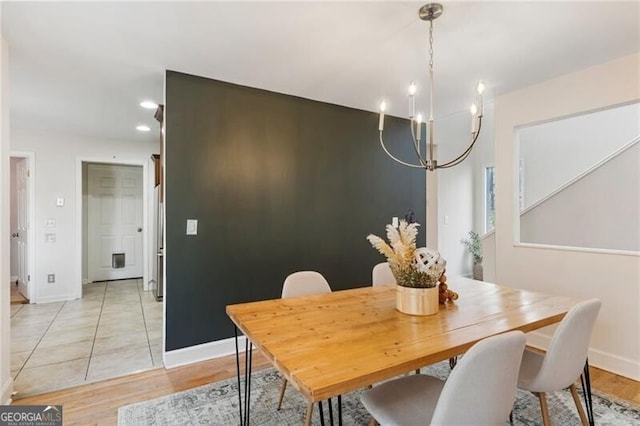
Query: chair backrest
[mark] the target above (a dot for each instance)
(567, 353)
(382, 275)
(481, 389)
(304, 283)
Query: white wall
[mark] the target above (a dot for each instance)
(13, 216)
(483, 155)
(600, 210)
(6, 382)
(457, 186)
(56, 171)
(613, 278)
(555, 153)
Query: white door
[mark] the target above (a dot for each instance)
(23, 228)
(114, 221)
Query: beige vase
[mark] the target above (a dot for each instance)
(477, 271)
(417, 301)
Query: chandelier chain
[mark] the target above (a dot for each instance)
(431, 46)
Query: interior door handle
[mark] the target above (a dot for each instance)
(15, 234)
(139, 229)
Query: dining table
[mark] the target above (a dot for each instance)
(329, 344)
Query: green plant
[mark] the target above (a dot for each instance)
(473, 246)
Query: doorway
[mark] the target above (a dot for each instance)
(112, 222)
(21, 219)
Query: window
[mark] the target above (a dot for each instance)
(489, 198)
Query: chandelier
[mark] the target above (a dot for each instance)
(430, 12)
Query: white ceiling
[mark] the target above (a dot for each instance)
(84, 67)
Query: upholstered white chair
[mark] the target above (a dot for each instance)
(564, 361)
(303, 283)
(382, 275)
(479, 391)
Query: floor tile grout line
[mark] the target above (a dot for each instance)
(95, 334)
(39, 340)
(105, 304)
(146, 329)
(17, 310)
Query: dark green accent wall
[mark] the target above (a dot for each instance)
(278, 184)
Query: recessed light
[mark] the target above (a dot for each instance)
(143, 128)
(148, 104)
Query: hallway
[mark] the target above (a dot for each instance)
(114, 330)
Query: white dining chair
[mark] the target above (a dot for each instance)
(564, 361)
(382, 275)
(303, 283)
(479, 391)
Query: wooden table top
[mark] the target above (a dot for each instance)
(330, 344)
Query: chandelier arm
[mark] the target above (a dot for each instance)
(415, 145)
(465, 154)
(452, 163)
(458, 160)
(417, 166)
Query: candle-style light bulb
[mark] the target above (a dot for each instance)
(412, 100)
(412, 89)
(480, 91)
(383, 107)
(419, 126)
(474, 111)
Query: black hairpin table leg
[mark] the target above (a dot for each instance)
(585, 379)
(235, 333)
(248, 358)
(452, 362)
(248, 346)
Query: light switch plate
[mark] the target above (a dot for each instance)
(394, 222)
(50, 223)
(59, 202)
(192, 226)
(50, 237)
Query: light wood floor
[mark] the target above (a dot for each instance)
(98, 403)
(16, 297)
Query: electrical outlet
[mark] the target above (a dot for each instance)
(51, 278)
(192, 226)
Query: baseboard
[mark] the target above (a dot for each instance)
(604, 360)
(13, 279)
(85, 281)
(6, 391)
(54, 299)
(202, 352)
(616, 364)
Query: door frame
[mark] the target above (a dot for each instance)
(145, 214)
(30, 156)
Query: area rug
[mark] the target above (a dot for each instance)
(217, 404)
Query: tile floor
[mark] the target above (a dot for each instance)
(114, 330)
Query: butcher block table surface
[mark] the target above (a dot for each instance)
(330, 344)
